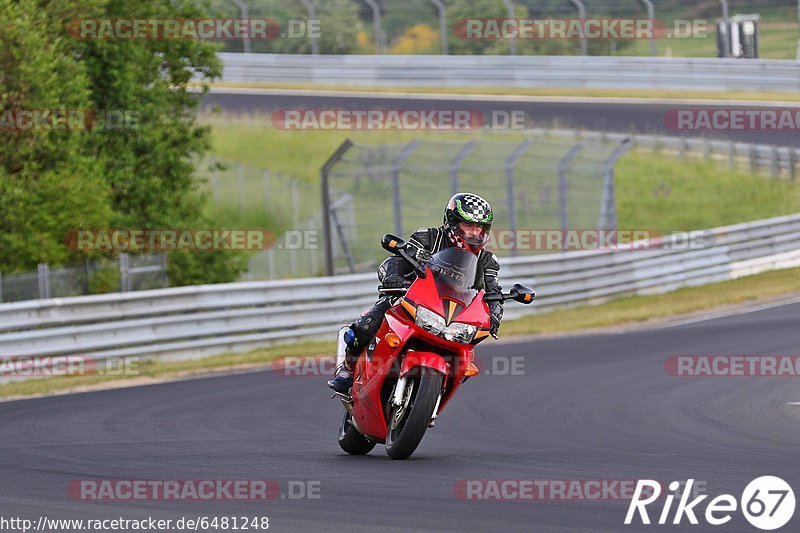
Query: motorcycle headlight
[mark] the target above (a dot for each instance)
(459, 332)
(430, 321)
(434, 323)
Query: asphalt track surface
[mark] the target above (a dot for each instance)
(585, 407)
(582, 113)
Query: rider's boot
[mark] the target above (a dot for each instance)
(343, 378)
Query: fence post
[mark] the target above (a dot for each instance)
(164, 266)
(581, 15)
(396, 199)
(442, 25)
(512, 49)
(1, 287)
(271, 263)
(312, 15)
(753, 158)
(265, 180)
(240, 185)
(396, 205)
(214, 179)
(376, 25)
(87, 269)
(563, 185)
(312, 226)
(456, 163)
(295, 225)
(731, 155)
(510, 162)
(244, 11)
(792, 162)
(124, 273)
(295, 204)
(775, 167)
(44, 280)
(326, 201)
(608, 214)
(651, 15)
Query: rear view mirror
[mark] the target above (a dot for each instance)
(392, 243)
(522, 294)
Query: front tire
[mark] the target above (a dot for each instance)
(351, 440)
(405, 433)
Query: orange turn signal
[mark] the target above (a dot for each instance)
(472, 370)
(392, 340)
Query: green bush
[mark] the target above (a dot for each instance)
(53, 182)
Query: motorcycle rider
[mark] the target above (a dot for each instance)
(467, 221)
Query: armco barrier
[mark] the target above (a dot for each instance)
(192, 321)
(516, 71)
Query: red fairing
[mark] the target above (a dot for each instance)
(414, 359)
(424, 292)
(377, 371)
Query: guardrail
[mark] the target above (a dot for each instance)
(600, 72)
(189, 322)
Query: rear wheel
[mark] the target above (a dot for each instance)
(351, 440)
(408, 422)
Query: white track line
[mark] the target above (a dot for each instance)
(731, 312)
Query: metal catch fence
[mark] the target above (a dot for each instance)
(126, 273)
(537, 182)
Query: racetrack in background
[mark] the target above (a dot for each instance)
(596, 114)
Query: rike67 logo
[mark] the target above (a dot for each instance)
(767, 503)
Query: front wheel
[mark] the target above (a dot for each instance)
(408, 422)
(351, 440)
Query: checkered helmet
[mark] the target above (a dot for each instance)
(468, 207)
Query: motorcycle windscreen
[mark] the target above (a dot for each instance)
(454, 271)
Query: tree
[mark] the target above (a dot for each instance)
(49, 184)
(461, 10)
(418, 39)
(338, 19)
(56, 181)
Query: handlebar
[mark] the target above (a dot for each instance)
(397, 246)
(400, 290)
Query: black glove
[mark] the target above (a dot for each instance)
(423, 256)
(496, 315)
(392, 281)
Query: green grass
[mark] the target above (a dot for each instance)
(254, 142)
(638, 309)
(301, 154)
(701, 194)
(622, 311)
(150, 370)
(655, 192)
(669, 194)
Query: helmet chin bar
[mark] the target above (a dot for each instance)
(474, 244)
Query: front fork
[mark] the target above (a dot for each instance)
(399, 391)
(399, 398)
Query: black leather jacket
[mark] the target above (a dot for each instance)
(435, 239)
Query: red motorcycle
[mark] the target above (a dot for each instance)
(422, 353)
